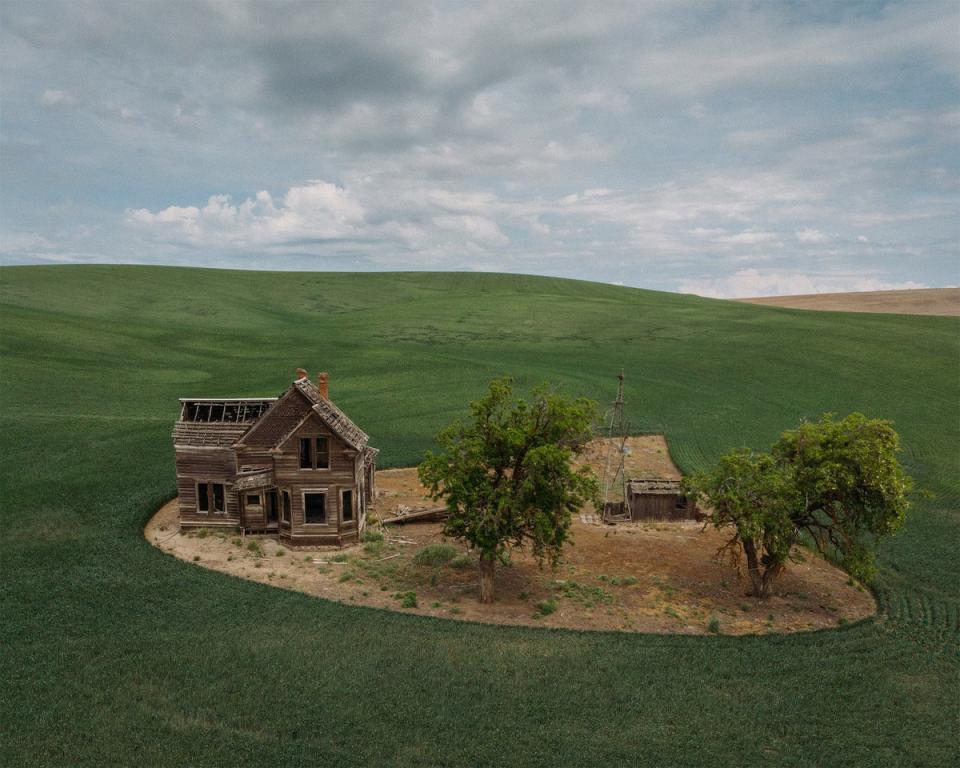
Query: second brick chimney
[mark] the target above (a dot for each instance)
(322, 384)
(300, 374)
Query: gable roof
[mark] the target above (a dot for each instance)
(332, 416)
(279, 422)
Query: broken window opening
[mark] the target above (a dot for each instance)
(315, 507)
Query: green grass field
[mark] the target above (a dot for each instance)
(116, 654)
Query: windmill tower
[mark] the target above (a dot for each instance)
(614, 477)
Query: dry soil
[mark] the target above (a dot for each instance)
(655, 577)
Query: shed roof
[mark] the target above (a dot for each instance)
(654, 486)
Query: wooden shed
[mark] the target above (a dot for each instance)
(658, 499)
(293, 465)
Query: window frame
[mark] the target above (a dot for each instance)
(211, 496)
(286, 506)
(353, 509)
(314, 452)
(326, 508)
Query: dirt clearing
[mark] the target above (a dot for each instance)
(656, 577)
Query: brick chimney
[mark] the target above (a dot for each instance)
(322, 378)
(301, 374)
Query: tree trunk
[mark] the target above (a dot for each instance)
(487, 563)
(757, 581)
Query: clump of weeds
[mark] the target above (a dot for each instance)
(545, 608)
(435, 554)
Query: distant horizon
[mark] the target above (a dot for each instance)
(399, 271)
(729, 151)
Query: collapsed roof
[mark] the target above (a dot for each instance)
(222, 422)
(654, 486)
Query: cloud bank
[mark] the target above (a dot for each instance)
(727, 151)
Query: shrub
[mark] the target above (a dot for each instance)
(618, 581)
(254, 546)
(545, 608)
(713, 626)
(407, 599)
(203, 533)
(461, 562)
(435, 554)
(371, 536)
(278, 553)
(340, 557)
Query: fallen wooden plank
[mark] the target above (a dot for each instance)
(436, 515)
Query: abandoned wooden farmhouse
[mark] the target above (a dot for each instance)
(293, 465)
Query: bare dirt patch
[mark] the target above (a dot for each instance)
(920, 301)
(657, 577)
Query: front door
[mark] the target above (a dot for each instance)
(253, 509)
(272, 499)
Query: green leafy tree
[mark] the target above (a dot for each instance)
(836, 484)
(506, 475)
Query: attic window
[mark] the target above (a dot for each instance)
(314, 453)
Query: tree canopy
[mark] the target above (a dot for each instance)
(506, 475)
(835, 484)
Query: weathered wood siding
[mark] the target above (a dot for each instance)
(661, 507)
(209, 465)
(340, 475)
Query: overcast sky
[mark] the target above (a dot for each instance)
(721, 149)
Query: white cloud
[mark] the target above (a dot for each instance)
(316, 210)
(749, 237)
(477, 228)
(54, 97)
(810, 236)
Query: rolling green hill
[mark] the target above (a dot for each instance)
(116, 654)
